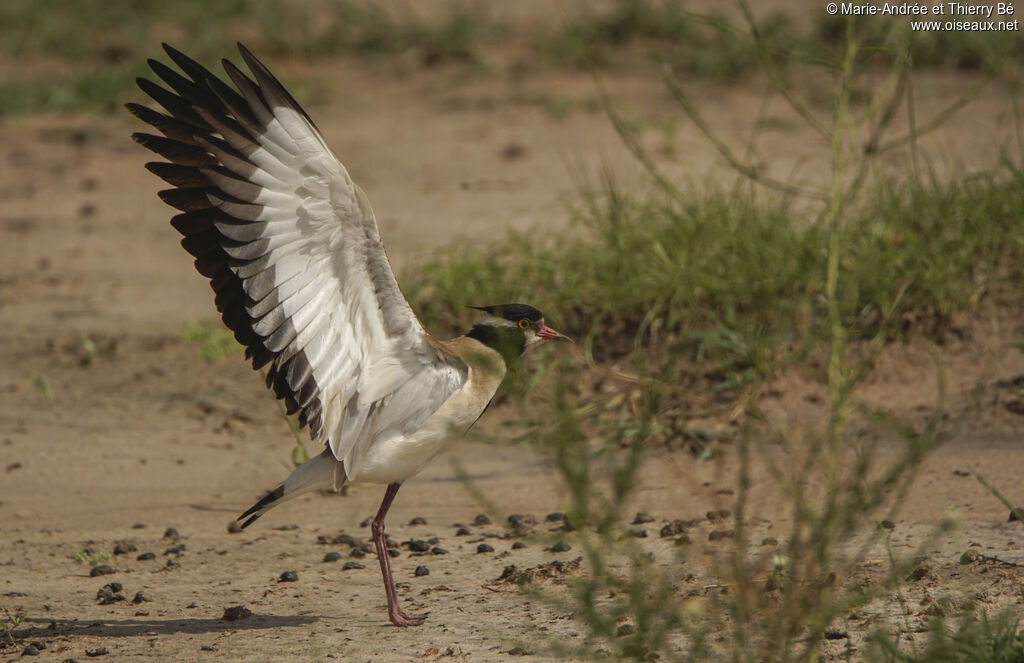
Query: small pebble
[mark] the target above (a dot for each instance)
(718, 514)
(673, 528)
(462, 531)
(624, 630)
(418, 520)
(561, 546)
(438, 551)
(139, 526)
(642, 517)
(836, 634)
(235, 613)
(140, 598)
(484, 548)
(683, 540)
(346, 539)
(123, 547)
(421, 571)
(30, 650)
(99, 651)
(366, 521)
(481, 519)
(171, 533)
(969, 557)
(416, 545)
(769, 541)
(101, 570)
(555, 517)
(176, 550)
(1015, 515)
(332, 556)
(518, 545)
(288, 576)
(234, 527)
(719, 534)
(113, 586)
(394, 552)
(888, 524)
(357, 553)
(146, 556)
(352, 565)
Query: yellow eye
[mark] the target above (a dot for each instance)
(524, 324)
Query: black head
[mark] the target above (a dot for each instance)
(511, 328)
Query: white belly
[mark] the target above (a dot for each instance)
(395, 459)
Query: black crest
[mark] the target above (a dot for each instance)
(513, 312)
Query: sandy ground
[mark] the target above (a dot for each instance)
(144, 436)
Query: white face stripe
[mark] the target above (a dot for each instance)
(495, 321)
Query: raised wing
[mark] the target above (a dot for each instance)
(292, 251)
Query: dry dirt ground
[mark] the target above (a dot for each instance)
(118, 445)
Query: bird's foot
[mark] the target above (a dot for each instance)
(400, 617)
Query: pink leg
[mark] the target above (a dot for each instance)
(398, 616)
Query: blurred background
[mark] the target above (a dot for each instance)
(789, 243)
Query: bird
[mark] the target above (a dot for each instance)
(293, 254)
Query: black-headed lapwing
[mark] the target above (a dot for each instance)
(293, 254)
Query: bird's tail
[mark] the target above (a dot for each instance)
(323, 472)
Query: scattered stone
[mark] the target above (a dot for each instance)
(352, 565)
(920, 572)
(481, 519)
(719, 534)
(139, 526)
(171, 533)
(176, 550)
(672, 529)
(718, 514)
(30, 650)
(1015, 515)
(418, 520)
(462, 531)
(887, 524)
(642, 517)
(556, 517)
(99, 651)
(207, 648)
(725, 491)
(101, 570)
(234, 527)
(769, 541)
(836, 634)
(113, 586)
(417, 545)
(683, 540)
(559, 547)
(434, 540)
(553, 571)
(286, 528)
(394, 552)
(346, 539)
(140, 598)
(518, 651)
(366, 521)
(485, 548)
(332, 556)
(288, 576)
(961, 473)
(518, 545)
(513, 151)
(520, 522)
(421, 571)
(358, 553)
(235, 613)
(624, 630)
(124, 547)
(146, 556)
(438, 551)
